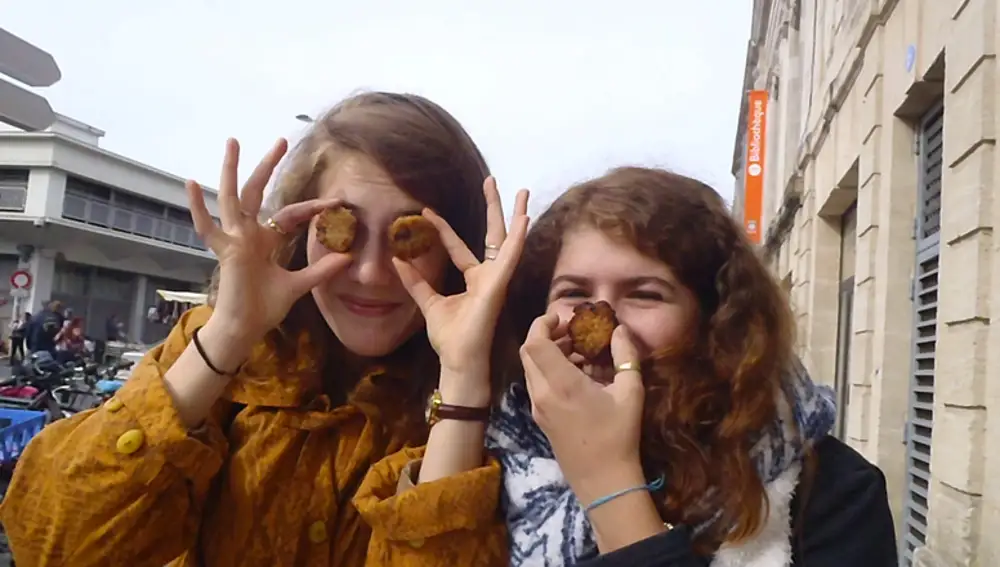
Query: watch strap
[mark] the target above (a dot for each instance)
(462, 413)
(438, 410)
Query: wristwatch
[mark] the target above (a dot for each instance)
(438, 410)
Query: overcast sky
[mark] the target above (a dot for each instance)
(553, 92)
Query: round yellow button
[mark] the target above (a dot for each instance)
(417, 543)
(113, 405)
(130, 441)
(317, 532)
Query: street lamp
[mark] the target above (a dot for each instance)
(305, 118)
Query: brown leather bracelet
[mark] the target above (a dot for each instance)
(437, 410)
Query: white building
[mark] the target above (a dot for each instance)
(96, 230)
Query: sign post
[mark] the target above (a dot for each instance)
(34, 67)
(753, 178)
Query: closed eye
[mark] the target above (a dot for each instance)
(570, 293)
(647, 295)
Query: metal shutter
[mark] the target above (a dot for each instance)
(924, 296)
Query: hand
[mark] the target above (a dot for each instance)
(461, 327)
(255, 293)
(594, 429)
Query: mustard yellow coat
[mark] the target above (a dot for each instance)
(272, 479)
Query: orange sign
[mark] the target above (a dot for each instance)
(753, 173)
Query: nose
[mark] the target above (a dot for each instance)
(372, 265)
(608, 296)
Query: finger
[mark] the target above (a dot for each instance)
(496, 227)
(316, 273)
(513, 246)
(460, 255)
(203, 222)
(422, 292)
(290, 217)
(628, 383)
(565, 344)
(543, 328)
(253, 190)
(560, 374)
(623, 349)
(229, 199)
(534, 382)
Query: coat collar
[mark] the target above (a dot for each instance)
(772, 545)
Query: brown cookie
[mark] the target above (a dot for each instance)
(591, 328)
(412, 236)
(336, 227)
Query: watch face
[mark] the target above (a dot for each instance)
(430, 413)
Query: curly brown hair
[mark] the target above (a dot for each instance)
(429, 155)
(706, 400)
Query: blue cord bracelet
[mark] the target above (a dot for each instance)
(651, 487)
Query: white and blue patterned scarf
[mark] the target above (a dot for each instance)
(547, 524)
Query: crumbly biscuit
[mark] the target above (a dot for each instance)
(591, 328)
(336, 228)
(412, 236)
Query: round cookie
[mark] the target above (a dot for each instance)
(591, 328)
(336, 228)
(412, 236)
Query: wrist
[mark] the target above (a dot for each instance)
(467, 388)
(227, 344)
(606, 480)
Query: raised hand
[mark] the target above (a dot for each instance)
(461, 327)
(255, 293)
(593, 428)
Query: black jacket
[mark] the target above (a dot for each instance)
(846, 522)
(42, 330)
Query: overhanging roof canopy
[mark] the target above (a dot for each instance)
(183, 296)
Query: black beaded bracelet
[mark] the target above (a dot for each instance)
(208, 362)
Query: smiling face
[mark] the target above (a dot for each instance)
(366, 306)
(643, 291)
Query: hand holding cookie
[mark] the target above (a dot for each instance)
(593, 426)
(461, 327)
(255, 293)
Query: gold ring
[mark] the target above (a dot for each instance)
(492, 246)
(269, 223)
(490, 254)
(627, 367)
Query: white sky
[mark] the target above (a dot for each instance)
(553, 92)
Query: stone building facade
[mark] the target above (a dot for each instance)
(880, 196)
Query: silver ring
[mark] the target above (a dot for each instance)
(491, 251)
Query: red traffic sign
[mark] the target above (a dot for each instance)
(20, 280)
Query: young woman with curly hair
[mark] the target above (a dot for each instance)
(703, 442)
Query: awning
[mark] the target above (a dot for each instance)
(183, 296)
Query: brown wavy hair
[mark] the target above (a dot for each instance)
(430, 156)
(707, 399)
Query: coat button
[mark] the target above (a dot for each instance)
(317, 532)
(113, 405)
(130, 441)
(417, 543)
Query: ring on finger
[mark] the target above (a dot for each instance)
(491, 251)
(630, 366)
(269, 223)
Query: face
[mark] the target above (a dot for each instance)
(366, 305)
(648, 300)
